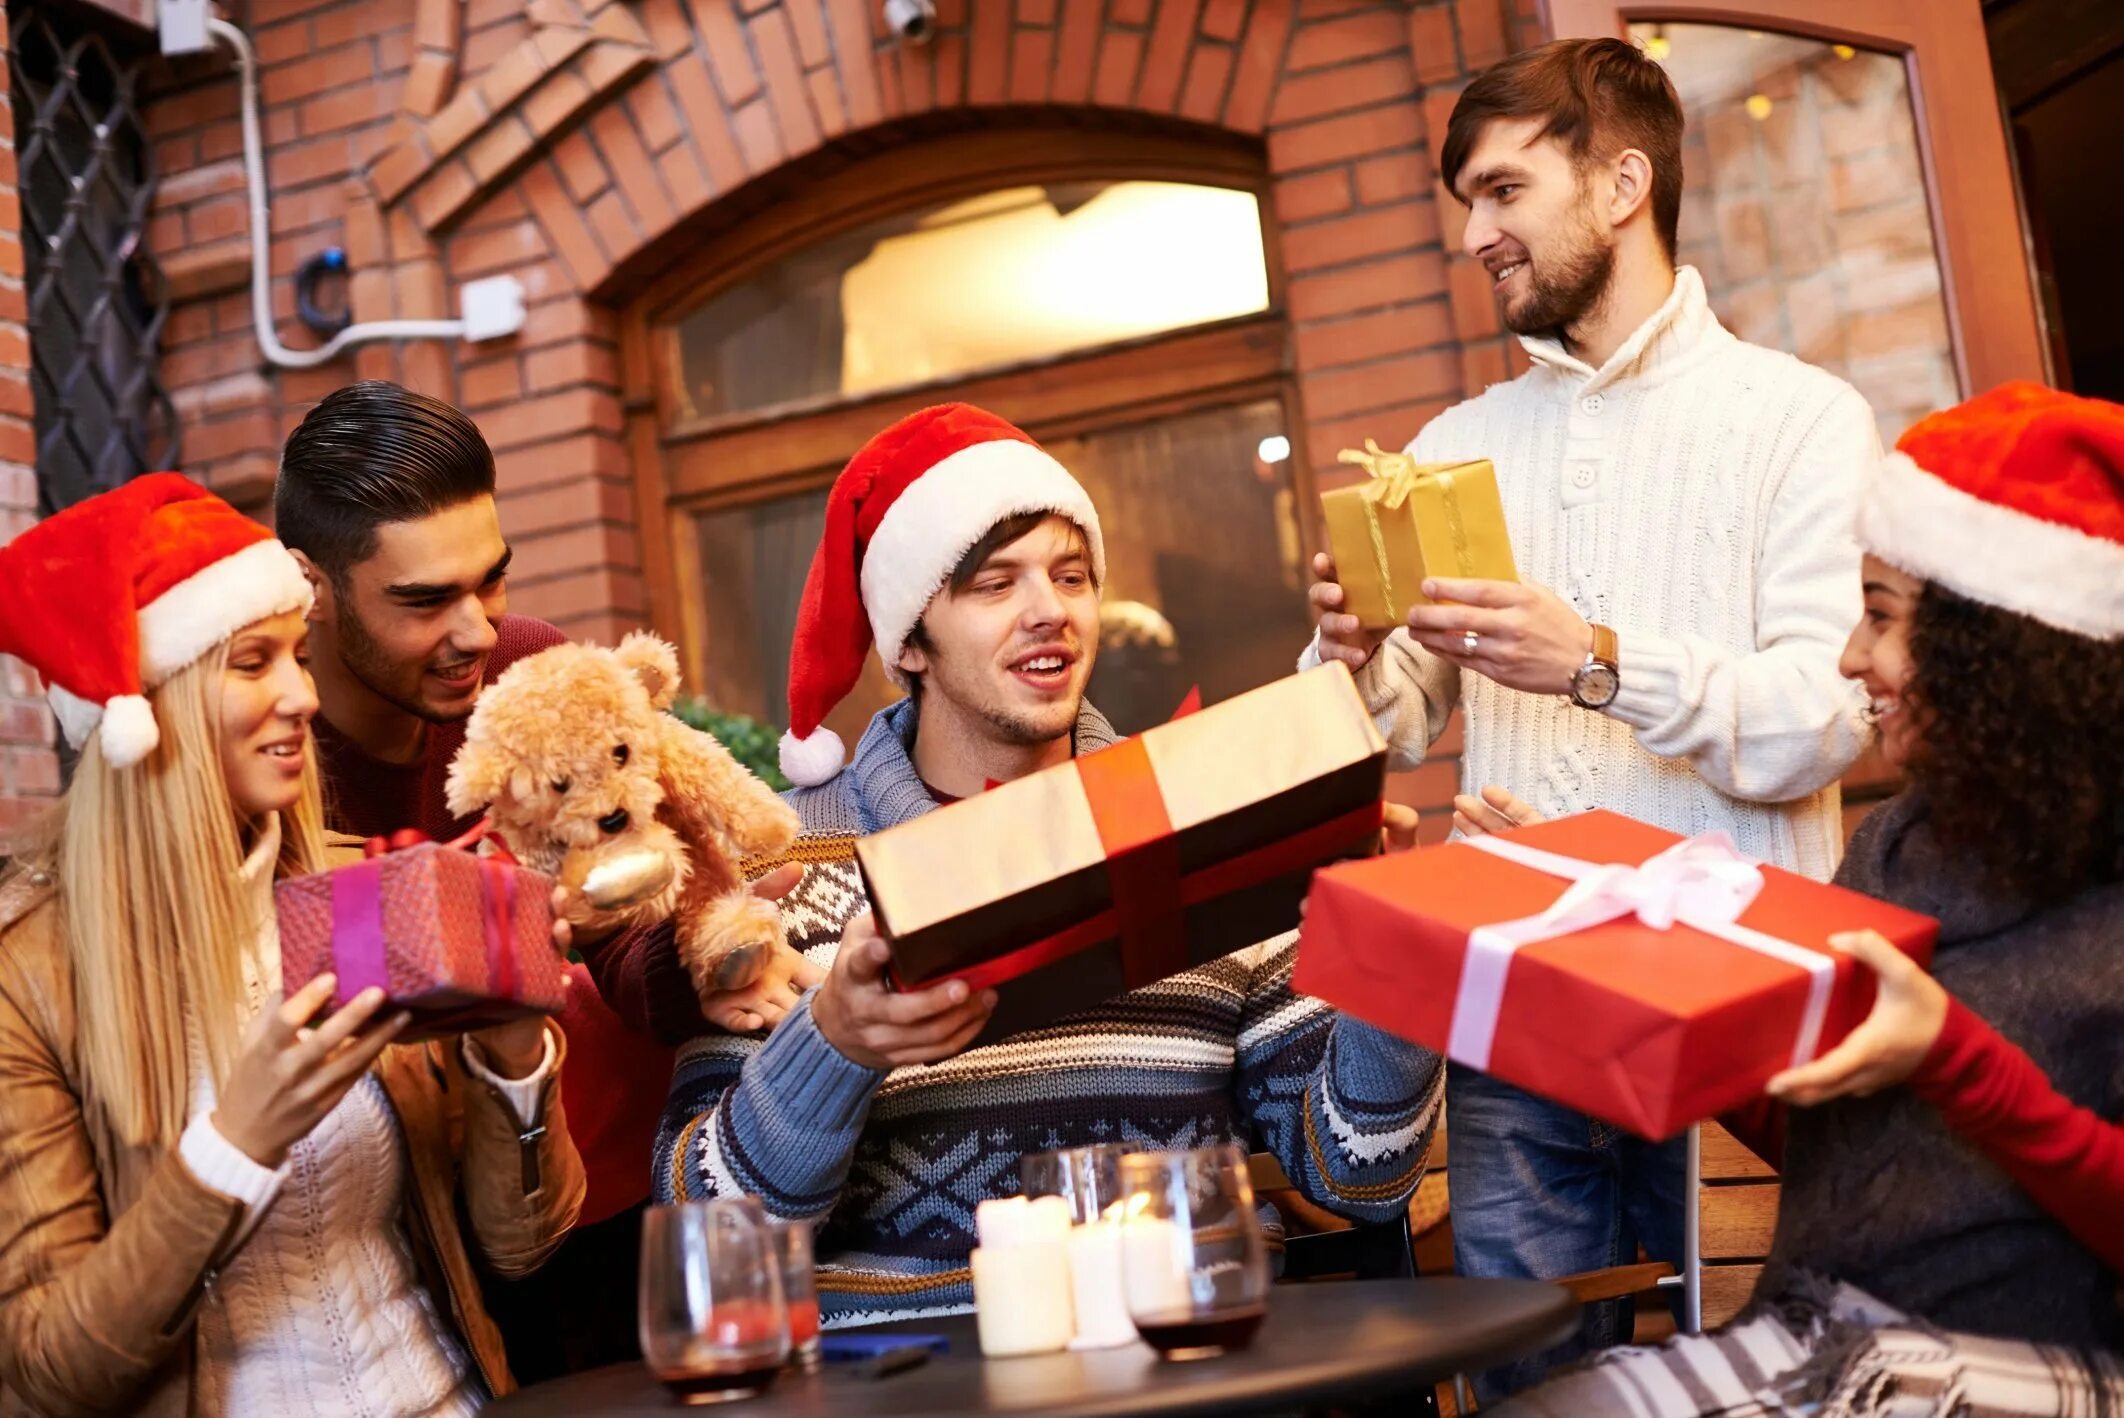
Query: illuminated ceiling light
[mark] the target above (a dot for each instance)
(1274, 449)
(1658, 46)
(1758, 106)
(1842, 51)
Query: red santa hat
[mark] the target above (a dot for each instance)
(111, 597)
(2015, 499)
(910, 504)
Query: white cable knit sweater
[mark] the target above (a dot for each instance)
(322, 1310)
(1696, 494)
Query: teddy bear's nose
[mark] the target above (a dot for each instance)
(614, 822)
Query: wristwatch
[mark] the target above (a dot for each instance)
(1594, 683)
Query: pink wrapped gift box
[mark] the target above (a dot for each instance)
(463, 941)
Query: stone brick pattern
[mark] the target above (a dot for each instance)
(1808, 216)
(567, 141)
(29, 765)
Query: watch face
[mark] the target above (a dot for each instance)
(1596, 685)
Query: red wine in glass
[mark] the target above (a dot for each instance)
(1204, 1334)
(719, 1378)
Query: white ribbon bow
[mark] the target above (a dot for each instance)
(1703, 883)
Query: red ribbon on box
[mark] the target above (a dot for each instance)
(1150, 893)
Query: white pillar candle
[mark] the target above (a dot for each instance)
(1156, 1269)
(1021, 1276)
(1095, 1283)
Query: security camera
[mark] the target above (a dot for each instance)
(914, 21)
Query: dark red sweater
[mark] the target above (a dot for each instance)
(614, 1083)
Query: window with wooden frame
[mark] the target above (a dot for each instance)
(1114, 294)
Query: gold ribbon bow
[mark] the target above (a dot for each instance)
(1395, 477)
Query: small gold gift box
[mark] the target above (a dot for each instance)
(1408, 521)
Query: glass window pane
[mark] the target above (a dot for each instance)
(1805, 208)
(1020, 274)
(1204, 585)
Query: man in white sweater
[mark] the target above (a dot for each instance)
(1681, 507)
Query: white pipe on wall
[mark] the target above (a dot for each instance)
(261, 242)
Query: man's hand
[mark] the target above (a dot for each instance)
(1526, 637)
(871, 1025)
(1495, 811)
(1397, 830)
(1909, 1011)
(1341, 637)
(767, 1001)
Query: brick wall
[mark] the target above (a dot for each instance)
(29, 766)
(569, 141)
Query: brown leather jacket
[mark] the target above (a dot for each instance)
(106, 1250)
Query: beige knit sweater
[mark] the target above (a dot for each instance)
(1696, 494)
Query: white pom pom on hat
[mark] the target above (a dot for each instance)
(913, 501)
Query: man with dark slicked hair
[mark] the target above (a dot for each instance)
(386, 497)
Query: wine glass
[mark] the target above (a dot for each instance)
(793, 1251)
(1088, 1178)
(714, 1326)
(1194, 1265)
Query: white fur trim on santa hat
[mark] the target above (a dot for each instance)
(939, 516)
(129, 733)
(1989, 553)
(215, 602)
(814, 759)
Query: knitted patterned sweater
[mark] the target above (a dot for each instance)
(892, 1165)
(1696, 493)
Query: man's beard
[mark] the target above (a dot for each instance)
(385, 678)
(1566, 287)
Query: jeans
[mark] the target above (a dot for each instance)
(1539, 1192)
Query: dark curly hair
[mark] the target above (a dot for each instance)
(2023, 757)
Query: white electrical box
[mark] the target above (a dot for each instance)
(182, 24)
(492, 307)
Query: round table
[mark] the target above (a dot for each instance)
(1339, 1340)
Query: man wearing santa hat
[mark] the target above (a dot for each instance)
(971, 560)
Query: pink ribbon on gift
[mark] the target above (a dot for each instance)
(359, 951)
(1703, 883)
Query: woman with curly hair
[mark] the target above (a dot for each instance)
(1953, 1245)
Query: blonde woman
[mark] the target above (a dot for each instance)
(212, 1201)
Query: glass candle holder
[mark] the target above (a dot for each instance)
(800, 1292)
(1088, 1178)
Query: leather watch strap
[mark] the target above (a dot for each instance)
(1605, 647)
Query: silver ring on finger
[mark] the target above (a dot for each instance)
(1470, 642)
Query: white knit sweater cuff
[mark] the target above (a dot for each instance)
(1654, 668)
(1374, 685)
(522, 1094)
(220, 1165)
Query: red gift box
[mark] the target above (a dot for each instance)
(1652, 998)
(1115, 870)
(463, 941)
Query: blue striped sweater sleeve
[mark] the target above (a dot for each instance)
(1347, 1109)
(775, 1118)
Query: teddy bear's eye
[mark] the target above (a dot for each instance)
(560, 785)
(619, 753)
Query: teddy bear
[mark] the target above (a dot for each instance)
(583, 776)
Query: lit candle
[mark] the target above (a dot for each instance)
(1095, 1284)
(1156, 1265)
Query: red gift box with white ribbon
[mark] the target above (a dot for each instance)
(1641, 977)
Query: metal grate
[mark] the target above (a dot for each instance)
(97, 300)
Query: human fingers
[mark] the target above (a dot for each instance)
(1828, 1076)
(806, 973)
(1497, 595)
(955, 1043)
(737, 1019)
(779, 882)
(1326, 595)
(344, 1023)
(285, 1024)
(918, 1007)
(1399, 825)
(331, 1079)
(1877, 953)
(902, 1041)
(863, 957)
(1445, 618)
(1324, 567)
